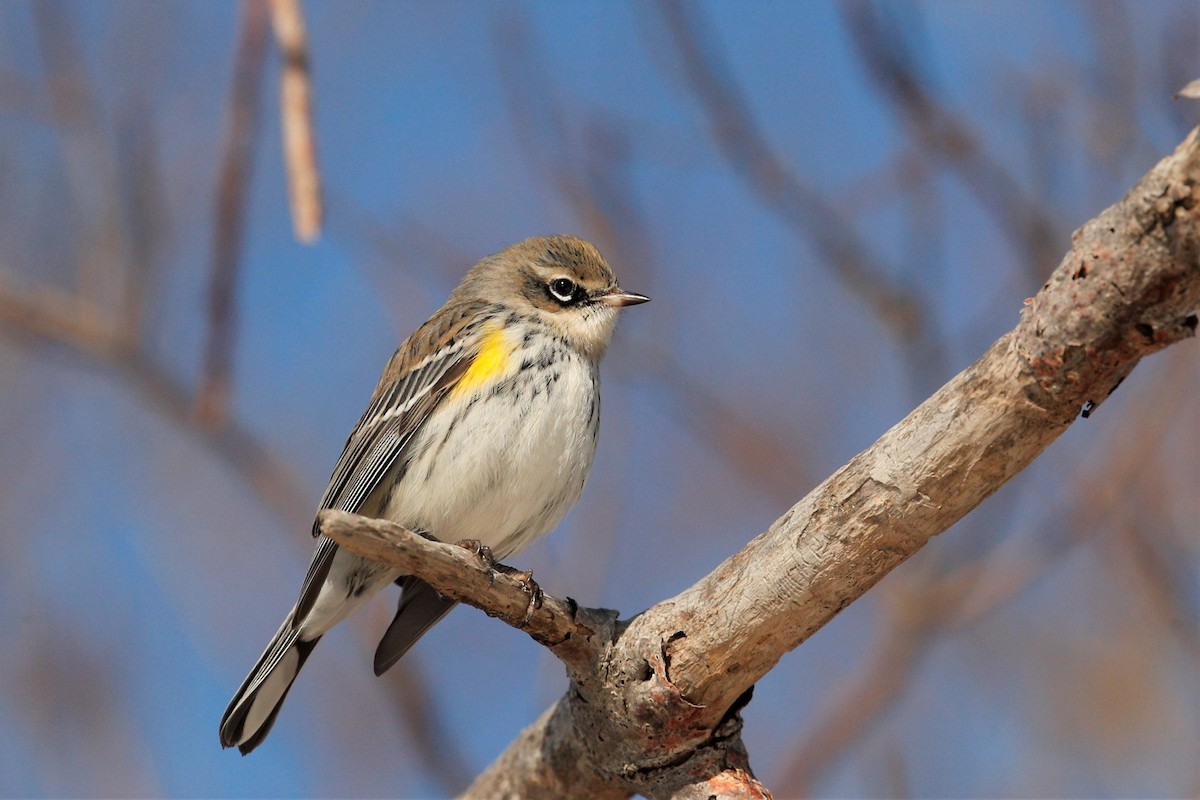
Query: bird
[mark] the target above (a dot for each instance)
(483, 427)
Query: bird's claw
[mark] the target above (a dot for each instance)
(525, 578)
(480, 550)
(536, 597)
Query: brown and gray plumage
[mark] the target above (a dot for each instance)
(483, 426)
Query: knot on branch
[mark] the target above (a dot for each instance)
(633, 724)
(643, 734)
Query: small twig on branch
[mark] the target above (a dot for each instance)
(295, 97)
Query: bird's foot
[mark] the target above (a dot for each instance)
(525, 578)
(480, 550)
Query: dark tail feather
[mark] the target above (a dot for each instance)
(420, 607)
(252, 712)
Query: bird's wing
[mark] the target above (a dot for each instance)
(410, 389)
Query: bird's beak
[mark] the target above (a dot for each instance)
(619, 299)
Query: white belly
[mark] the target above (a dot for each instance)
(512, 465)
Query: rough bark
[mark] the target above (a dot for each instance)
(654, 702)
(462, 574)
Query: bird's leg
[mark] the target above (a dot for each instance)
(525, 578)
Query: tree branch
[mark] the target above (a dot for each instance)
(462, 575)
(524, 773)
(1129, 287)
(959, 598)
(650, 718)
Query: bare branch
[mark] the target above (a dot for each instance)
(47, 313)
(1158, 584)
(459, 574)
(1129, 287)
(735, 782)
(680, 671)
(524, 772)
(144, 210)
(589, 167)
(45, 317)
(1115, 129)
(752, 447)
(578, 636)
(240, 135)
(964, 595)
(295, 97)
(20, 96)
(38, 318)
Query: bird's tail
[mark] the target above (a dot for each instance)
(420, 607)
(253, 709)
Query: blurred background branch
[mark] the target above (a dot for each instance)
(893, 63)
(295, 103)
(241, 136)
(800, 205)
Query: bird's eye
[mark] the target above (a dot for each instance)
(563, 289)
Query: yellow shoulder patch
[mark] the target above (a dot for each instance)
(490, 361)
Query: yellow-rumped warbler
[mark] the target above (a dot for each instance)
(482, 427)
